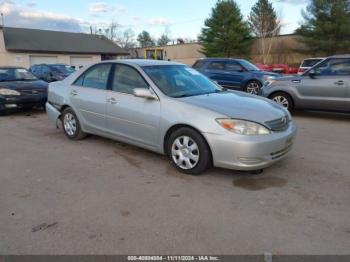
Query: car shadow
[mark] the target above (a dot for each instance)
(24, 112)
(322, 115)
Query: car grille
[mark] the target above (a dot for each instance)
(279, 124)
(33, 92)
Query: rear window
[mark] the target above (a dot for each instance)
(199, 64)
(310, 62)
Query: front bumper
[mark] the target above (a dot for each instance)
(250, 153)
(22, 101)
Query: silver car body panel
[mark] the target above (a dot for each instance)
(318, 92)
(145, 123)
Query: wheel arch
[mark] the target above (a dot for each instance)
(178, 126)
(252, 80)
(284, 92)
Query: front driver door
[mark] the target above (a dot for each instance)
(327, 88)
(234, 74)
(88, 96)
(215, 70)
(129, 117)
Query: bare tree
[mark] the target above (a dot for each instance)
(113, 32)
(126, 39)
(264, 23)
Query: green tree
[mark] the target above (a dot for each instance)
(225, 33)
(163, 40)
(145, 39)
(326, 27)
(263, 19)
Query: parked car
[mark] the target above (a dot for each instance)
(264, 67)
(237, 74)
(326, 86)
(172, 109)
(20, 89)
(51, 72)
(308, 63)
(284, 69)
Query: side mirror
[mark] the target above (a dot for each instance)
(312, 73)
(145, 93)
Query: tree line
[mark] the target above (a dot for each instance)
(325, 29)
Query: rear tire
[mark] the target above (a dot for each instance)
(71, 125)
(283, 99)
(188, 151)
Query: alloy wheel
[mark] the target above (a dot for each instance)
(253, 88)
(70, 124)
(281, 100)
(185, 152)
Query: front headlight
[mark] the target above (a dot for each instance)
(9, 92)
(243, 127)
(268, 80)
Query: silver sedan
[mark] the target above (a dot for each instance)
(172, 109)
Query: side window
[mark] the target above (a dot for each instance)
(334, 67)
(95, 77)
(45, 69)
(216, 65)
(126, 79)
(233, 66)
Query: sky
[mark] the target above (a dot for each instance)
(178, 18)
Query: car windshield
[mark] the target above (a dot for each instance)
(249, 66)
(180, 81)
(16, 74)
(65, 69)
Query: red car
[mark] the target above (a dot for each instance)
(284, 69)
(278, 68)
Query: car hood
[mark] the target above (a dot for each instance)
(266, 73)
(24, 85)
(238, 105)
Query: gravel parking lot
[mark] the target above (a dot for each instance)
(97, 196)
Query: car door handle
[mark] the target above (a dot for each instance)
(112, 101)
(339, 83)
(73, 93)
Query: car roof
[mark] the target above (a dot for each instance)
(144, 62)
(340, 56)
(314, 58)
(12, 67)
(219, 59)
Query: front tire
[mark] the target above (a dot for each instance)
(253, 87)
(71, 125)
(188, 151)
(283, 99)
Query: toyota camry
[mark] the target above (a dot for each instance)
(172, 109)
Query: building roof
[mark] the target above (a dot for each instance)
(44, 41)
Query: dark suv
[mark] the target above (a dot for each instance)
(236, 74)
(51, 72)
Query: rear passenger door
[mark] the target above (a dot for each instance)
(88, 96)
(133, 119)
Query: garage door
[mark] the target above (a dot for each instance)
(79, 62)
(35, 60)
